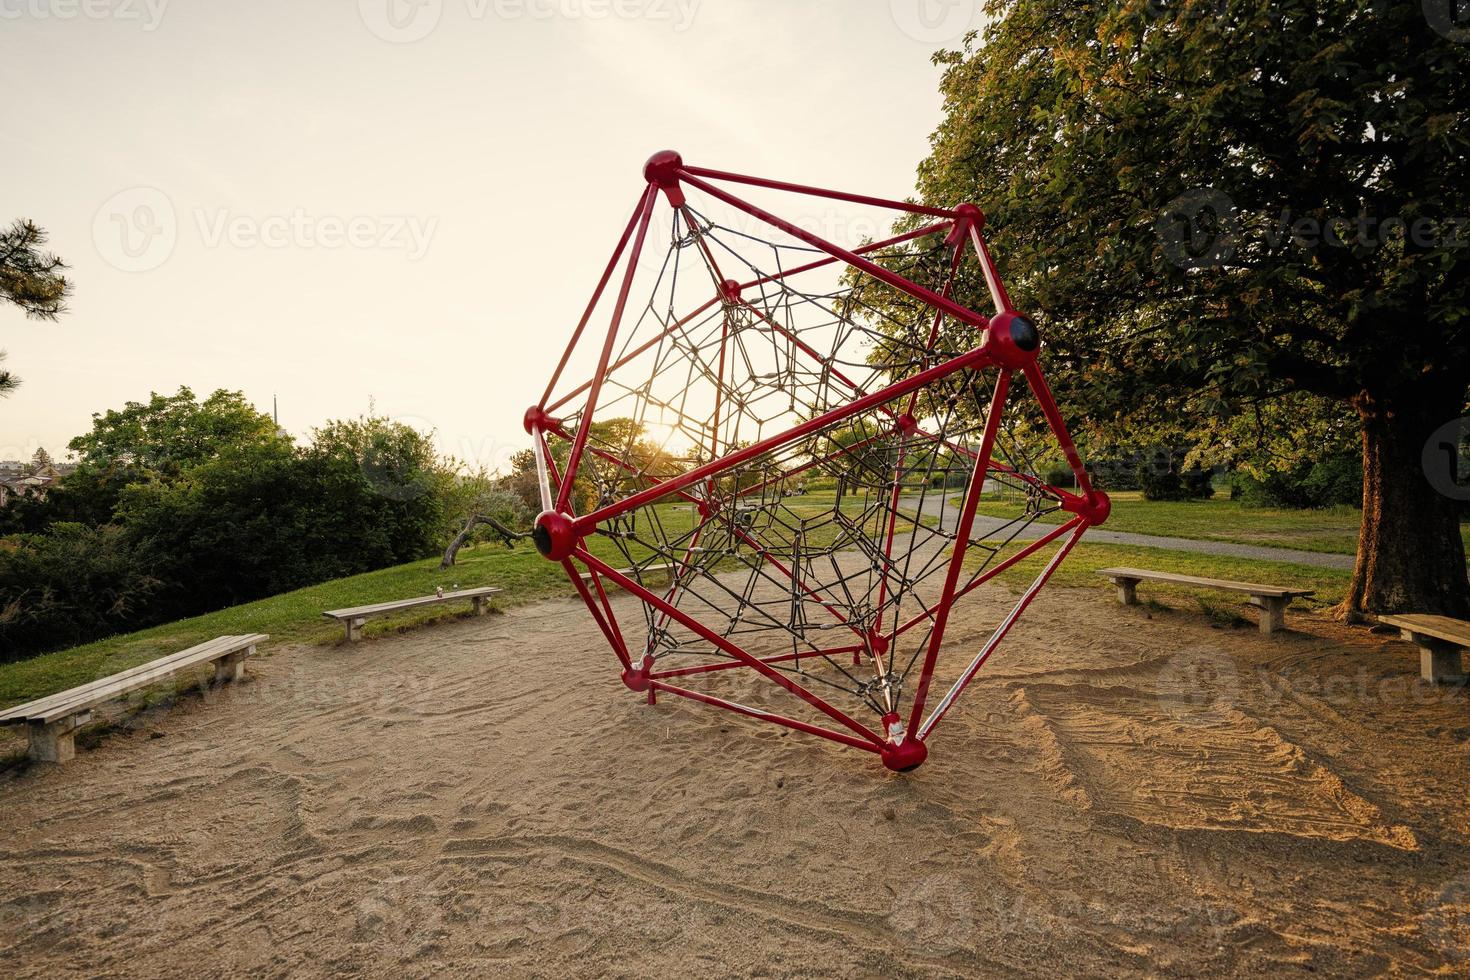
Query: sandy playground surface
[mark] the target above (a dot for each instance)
(1119, 792)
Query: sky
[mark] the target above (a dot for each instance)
(399, 205)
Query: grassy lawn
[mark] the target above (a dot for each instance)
(1081, 566)
(1332, 529)
(295, 617)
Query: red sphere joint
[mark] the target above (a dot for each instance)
(636, 679)
(555, 536)
(536, 418)
(1012, 340)
(969, 216)
(663, 169)
(1099, 506)
(906, 756)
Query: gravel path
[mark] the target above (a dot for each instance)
(938, 505)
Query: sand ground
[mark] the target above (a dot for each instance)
(1122, 791)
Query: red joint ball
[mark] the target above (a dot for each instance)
(1099, 506)
(730, 290)
(663, 169)
(636, 678)
(555, 536)
(1012, 340)
(967, 216)
(906, 756)
(906, 424)
(878, 643)
(1093, 508)
(536, 418)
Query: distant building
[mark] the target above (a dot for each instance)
(30, 480)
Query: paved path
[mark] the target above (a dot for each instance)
(939, 506)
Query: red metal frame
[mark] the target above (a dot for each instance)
(1006, 346)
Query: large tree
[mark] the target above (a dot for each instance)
(170, 433)
(30, 278)
(1213, 202)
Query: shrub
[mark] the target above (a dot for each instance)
(70, 585)
(1331, 481)
(1169, 484)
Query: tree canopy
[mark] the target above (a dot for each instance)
(1213, 203)
(169, 433)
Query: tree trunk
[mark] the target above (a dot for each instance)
(1410, 556)
(458, 542)
(472, 522)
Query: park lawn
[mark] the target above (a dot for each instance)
(1331, 529)
(1080, 568)
(296, 617)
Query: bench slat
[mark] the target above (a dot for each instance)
(381, 608)
(1445, 628)
(72, 694)
(1251, 588)
(49, 709)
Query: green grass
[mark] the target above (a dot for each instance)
(1081, 567)
(295, 617)
(1333, 529)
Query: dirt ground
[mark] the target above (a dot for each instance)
(1122, 791)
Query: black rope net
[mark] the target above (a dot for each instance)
(826, 554)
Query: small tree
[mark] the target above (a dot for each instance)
(31, 279)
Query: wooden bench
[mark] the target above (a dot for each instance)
(1439, 639)
(51, 722)
(1271, 599)
(355, 617)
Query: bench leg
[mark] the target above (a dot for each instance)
(354, 630)
(231, 667)
(1127, 590)
(1439, 662)
(54, 742)
(480, 604)
(1273, 613)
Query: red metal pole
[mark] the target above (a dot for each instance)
(1053, 415)
(907, 236)
(710, 636)
(741, 709)
(735, 664)
(596, 295)
(781, 185)
(851, 258)
(615, 641)
(973, 359)
(676, 325)
(962, 539)
(649, 196)
(991, 573)
(948, 700)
